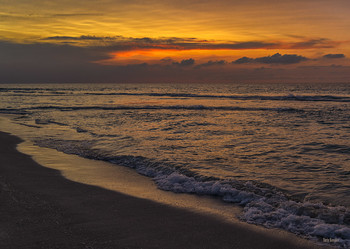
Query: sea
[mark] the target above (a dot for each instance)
(280, 151)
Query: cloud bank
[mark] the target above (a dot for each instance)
(46, 63)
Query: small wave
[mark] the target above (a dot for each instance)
(289, 97)
(48, 121)
(328, 148)
(39, 92)
(263, 204)
(29, 125)
(13, 111)
(154, 107)
(81, 130)
(33, 89)
(42, 121)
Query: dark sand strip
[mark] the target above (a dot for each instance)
(41, 209)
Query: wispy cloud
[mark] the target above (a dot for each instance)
(78, 38)
(314, 43)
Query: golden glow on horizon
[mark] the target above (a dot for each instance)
(146, 53)
(157, 55)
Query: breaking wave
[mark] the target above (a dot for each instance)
(262, 203)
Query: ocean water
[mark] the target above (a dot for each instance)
(281, 151)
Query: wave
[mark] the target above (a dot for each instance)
(33, 89)
(263, 204)
(155, 107)
(328, 148)
(13, 111)
(290, 97)
(48, 121)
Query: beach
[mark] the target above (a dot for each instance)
(169, 124)
(41, 209)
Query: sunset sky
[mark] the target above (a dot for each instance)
(174, 41)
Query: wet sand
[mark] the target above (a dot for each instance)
(41, 209)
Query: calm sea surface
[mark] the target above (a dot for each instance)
(282, 151)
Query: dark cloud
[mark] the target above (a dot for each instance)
(244, 60)
(118, 39)
(230, 45)
(185, 63)
(313, 43)
(184, 43)
(281, 59)
(163, 43)
(273, 59)
(334, 56)
(166, 60)
(79, 38)
(247, 45)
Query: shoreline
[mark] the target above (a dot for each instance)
(42, 209)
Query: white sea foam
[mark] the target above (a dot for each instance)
(273, 212)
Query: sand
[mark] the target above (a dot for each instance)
(41, 209)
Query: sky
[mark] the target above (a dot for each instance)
(167, 41)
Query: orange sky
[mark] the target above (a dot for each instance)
(116, 33)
